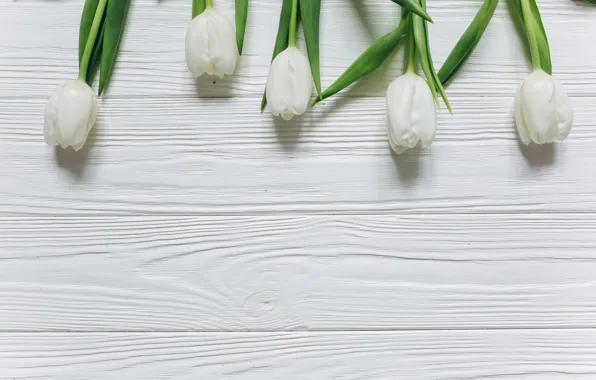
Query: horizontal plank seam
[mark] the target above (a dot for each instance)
(108, 214)
(301, 331)
(7, 217)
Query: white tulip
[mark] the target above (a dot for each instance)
(411, 112)
(289, 84)
(543, 111)
(211, 45)
(70, 114)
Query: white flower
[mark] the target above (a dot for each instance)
(70, 114)
(211, 45)
(543, 111)
(411, 112)
(289, 84)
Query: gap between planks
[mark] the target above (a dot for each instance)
(302, 331)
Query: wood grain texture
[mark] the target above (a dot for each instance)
(194, 157)
(151, 62)
(192, 229)
(263, 273)
(436, 355)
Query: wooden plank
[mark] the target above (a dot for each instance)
(152, 63)
(519, 354)
(187, 157)
(297, 272)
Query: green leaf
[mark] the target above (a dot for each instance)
(424, 55)
(420, 37)
(468, 41)
(311, 12)
(113, 28)
(545, 60)
(414, 6)
(241, 16)
(198, 6)
(95, 56)
(516, 11)
(281, 42)
(368, 61)
(86, 21)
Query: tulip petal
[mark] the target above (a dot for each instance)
(522, 128)
(289, 84)
(69, 115)
(564, 111)
(411, 113)
(281, 41)
(543, 111)
(210, 45)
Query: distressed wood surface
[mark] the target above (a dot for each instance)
(151, 62)
(424, 355)
(161, 157)
(261, 273)
(195, 237)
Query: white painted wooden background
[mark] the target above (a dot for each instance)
(195, 238)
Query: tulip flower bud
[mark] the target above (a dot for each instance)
(411, 112)
(70, 114)
(289, 84)
(211, 45)
(543, 111)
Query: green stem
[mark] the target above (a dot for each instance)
(101, 6)
(531, 33)
(411, 49)
(292, 32)
(209, 4)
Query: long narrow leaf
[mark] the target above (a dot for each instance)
(518, 17)
(368, 61)
(545, 61)
(311, 12)
(468, 41)
(420, 38)
(241, 16)
(113, 28)
(95, 56)
(433, 78)
(414, 6)
(281, 41)
(87, 16)
(198, 6)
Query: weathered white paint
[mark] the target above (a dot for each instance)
(193, 229)
(403, 355)
(297, 272)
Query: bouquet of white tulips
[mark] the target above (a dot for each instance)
(542, 109)
(72, 109)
